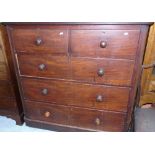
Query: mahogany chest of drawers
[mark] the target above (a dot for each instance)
(78, 76)
(10, 103)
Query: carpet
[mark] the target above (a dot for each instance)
(9, 125)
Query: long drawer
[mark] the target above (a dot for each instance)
(105, 43)
(40, 41)
(104, 71)
(70, 93)
(83, 118)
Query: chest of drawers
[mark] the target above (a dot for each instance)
(10, 103)
(78, 76)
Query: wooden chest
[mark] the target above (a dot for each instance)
(10, 102)
(78, 76)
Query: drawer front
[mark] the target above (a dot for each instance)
(69, 93)
(40, 40)
(104, 71)
(3, 72)
(6, 90)
(44, 65)
(77, 117)
(44, 112)
(98, 120)
(105, 43)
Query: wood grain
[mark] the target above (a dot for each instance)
(80, 69)
(55, 66)
(6, 89)
(120, 43)
(71, 79)
(2, 59)
(10, 103)
(4, 75)
(87, 118)
(58, 114)
(75, 117)
(87, 70)
(148, 78)
(137, 73)
(70, 93)
(53, 41)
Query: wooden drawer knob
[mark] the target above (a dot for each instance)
(99, 98)
(97, 121)
(42, 67)
(103, 44)
(38, 41)
(47, 114)
(100, 72)
(44, 91)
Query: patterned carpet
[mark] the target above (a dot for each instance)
(9, 125)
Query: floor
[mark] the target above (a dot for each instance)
(9, 125)
(144, 120)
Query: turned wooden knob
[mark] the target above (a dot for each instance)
(99, 98)
(38, 41)
(100, 72)
(103, 44)
(47, 114)
(42, 67)
(44, 91)
(97, 121)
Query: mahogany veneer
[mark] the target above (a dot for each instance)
(78, 77)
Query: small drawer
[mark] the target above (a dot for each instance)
(103, 71)
(43, 112)
(97, 120)
(44, 65)
(6, 89)
(78, 94)
(105, 43)
(40, 40)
